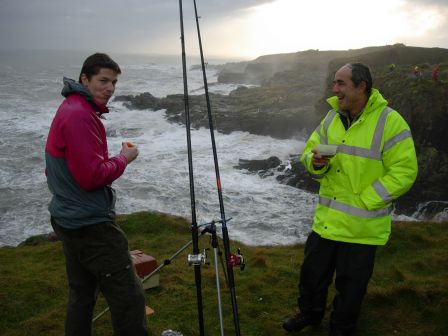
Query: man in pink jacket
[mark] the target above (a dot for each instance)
(79, 176)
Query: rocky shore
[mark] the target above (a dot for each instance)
(289, 101)
(261, 110)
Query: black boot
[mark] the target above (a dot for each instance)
(299, 322)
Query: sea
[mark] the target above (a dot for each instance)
(260, 211)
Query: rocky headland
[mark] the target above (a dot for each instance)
(290, 100)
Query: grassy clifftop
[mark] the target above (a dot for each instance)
(408, 294)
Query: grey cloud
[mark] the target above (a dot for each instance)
(65, 24)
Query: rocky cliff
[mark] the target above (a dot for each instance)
(290, 101)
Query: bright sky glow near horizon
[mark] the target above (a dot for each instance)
(333, 28)
(242, 29)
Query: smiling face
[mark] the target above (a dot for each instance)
(351, 99)
(101, 85)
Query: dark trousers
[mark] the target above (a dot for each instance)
(353, 265)
(97, 260)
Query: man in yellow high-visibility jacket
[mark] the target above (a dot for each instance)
(363, 155)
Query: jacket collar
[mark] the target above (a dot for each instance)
(71, 86)
(376, 100)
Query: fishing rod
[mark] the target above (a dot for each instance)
(231, 259)
(198, 259)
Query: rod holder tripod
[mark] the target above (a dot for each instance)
(233, 260)
(215, 246)
(211, 228)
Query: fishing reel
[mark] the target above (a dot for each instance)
(236, 259)
(197, 259)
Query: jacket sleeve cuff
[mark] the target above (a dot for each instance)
(122, 158)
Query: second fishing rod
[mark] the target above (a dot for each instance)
(231, 259)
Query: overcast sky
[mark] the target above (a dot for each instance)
(230, 28)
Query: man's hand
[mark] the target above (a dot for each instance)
(129, 150)
(319, 161)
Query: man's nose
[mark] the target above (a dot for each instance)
(110, 87)
(334, 88)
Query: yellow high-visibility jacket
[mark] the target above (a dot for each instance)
(375, 163)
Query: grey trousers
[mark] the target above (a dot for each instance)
(97, 260)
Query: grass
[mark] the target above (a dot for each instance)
(408, 294)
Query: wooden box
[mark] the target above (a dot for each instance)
(145, 264)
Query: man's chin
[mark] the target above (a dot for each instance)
(343, 107)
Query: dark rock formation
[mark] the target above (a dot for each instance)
(297, 176)
(291, 173)
(257, 165)
(261, 111)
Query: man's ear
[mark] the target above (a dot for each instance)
(84, 79)
(362, 86)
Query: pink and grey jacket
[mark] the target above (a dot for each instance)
(78, 168)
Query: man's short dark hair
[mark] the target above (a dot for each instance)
(361, 73)
(97, 61)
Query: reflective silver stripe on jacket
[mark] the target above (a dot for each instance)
(358, 151)
(375, 147)
(326, 125)
(396, 139)
(382, 192)
(374, 152)
(351, 210)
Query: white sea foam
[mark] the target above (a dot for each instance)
(263, 211)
